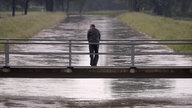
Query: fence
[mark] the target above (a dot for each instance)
(6, 43)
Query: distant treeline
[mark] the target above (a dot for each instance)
(160, 7)
(168, 8)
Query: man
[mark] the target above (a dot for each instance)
(93, 37)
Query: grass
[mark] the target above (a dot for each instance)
(160, 27)
(26, 26)
(6, 14)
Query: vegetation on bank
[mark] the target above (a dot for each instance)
(26, 26)
(160, 27)
(7, 14)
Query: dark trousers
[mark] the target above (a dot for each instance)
(94, 57)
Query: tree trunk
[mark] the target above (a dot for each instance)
(50, 5)
(157, 8)
(67, 7)
(81, 5)
(13, 7)
(133, 5)
(63, 5)
(185, 6)
(26, 6)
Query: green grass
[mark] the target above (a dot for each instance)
(160, 27)
(25, 26)
(9, 14)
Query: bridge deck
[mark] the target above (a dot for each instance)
(96, 72)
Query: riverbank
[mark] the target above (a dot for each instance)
(160, 27)
(26, 26)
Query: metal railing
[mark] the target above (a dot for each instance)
(6, 43)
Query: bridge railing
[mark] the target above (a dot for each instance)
(6, 43)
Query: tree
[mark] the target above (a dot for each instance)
(13, 7)
(81, 5)
(186, 6)
(67, 6)
(26, 7)
(133, 5)
(160, 7)
(50, 5)
(74, 5)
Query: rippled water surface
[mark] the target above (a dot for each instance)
(76, 28)
(133, 93)
(98, 89)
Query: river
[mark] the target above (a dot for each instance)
(61, 93)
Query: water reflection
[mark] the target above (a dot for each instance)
(98, 89)
(182, 87)
(81, 89)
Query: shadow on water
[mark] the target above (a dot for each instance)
(137, 93)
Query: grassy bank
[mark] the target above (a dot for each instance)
(6, 14)
(28, 25)
(160, 27)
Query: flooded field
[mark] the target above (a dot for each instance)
(75, 28)
(61, 93)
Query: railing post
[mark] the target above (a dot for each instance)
(6, 51)
(70, 52)
(132, 54)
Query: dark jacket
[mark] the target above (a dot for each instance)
(93, 35)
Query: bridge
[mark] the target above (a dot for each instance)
(68, 70)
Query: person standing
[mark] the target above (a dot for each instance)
(93, 36)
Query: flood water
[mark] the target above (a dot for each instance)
(61, 93)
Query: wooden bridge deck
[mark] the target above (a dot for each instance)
(96, 72)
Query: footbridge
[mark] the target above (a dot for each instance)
(68, 70)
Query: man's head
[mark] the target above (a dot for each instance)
(92, 26)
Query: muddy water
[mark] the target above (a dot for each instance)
(61, 93)
(76, 28)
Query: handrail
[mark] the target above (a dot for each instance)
(55, 39)
(86, 53)
(70, 43)
(111, 43)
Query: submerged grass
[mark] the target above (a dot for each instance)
(160, 27)
(110, 13)
(25, 26)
